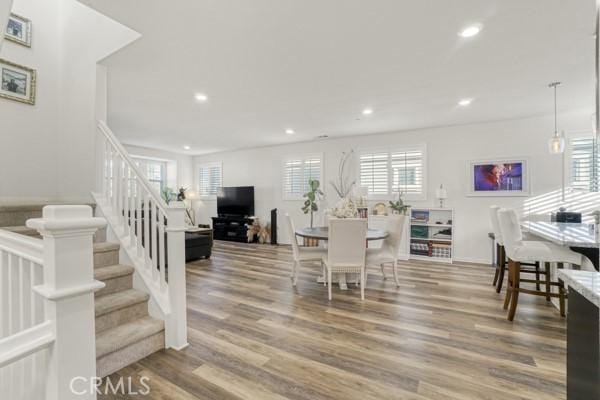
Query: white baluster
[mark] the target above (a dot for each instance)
(115, 181)
(154, 242)
(126, 189)
(138, 207)
(162, 249)
(4, 294)
(132, 213)
(147, 230)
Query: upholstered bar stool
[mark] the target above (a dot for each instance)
(519, 251)
(501, 260)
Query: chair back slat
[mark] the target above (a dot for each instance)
(347, 241)
(510, 230)
(292, 233)
(395, 228)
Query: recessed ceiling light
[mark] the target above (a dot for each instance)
(186, 147)
(470, 31)
(367, 111)
(289, 131)
(465, 102)
(201, 97)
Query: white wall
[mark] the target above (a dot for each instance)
(5, 7)
(47, 150)
(448, 150)
(179, 166)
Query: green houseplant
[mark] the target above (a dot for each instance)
(314, 194)
(399, 205)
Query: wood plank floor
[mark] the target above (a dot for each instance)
(442, 335)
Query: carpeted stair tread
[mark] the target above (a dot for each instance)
(104, 247)
(112, 271)
(125, 335)
(116, 301)
(21, 230)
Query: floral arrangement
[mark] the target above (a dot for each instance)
(345, 208)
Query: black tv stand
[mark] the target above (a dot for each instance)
(231, 228)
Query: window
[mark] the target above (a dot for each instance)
(584, 169)
(386, 173)
(154, 170)
(209, 179)
(296, 174)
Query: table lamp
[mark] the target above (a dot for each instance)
(441, 195)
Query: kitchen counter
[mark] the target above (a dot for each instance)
(583, 334)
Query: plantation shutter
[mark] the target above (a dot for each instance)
(293, 177)
(297, 172)
(407, 172)
(584, 168)
(312, 170)
(374, 173)
(210, 180)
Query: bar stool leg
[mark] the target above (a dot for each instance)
(497, 260)
(537, 276)
(502, 268)
(509, 285)
(516, 267)
(548, 266)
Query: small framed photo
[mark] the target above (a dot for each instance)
(499, 177)
(17, 82)
(18, 30)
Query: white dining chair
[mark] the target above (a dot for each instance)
(346, 250)
(302, 254)
(521, 251)
(390, 248)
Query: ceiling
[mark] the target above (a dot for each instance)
(314, 65)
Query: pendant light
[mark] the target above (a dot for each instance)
(556, 144)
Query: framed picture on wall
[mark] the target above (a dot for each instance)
(18, 30)
(17, 82)
(500, 177)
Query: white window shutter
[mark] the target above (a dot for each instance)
(293, 177)
(584, 174)
(312, 170)
(210, 180)
(374, 173)
(407, 171)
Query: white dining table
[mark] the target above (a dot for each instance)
(322, 233)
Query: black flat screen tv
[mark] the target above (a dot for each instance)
(235, 201)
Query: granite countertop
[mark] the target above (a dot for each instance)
(587, 283)
(564, 234)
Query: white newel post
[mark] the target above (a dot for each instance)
(176, 328)
(68, 291)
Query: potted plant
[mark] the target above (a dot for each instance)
(312, 196)
(398, 206)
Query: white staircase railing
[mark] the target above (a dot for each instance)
(47, 306)
(151, 232)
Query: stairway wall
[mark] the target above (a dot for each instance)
(48, 153)
(5, 6)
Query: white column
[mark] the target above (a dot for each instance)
(176, 328)
(68, 291)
